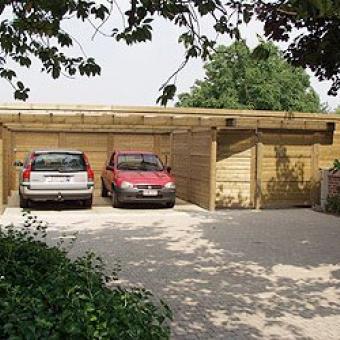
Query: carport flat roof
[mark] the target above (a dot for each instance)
(112, 109)
(35, 116)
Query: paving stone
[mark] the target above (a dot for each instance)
(272, 274)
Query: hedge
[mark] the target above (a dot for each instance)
(46, 295)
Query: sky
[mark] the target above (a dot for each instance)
(131, 75)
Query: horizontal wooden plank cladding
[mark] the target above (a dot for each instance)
(282, 124)
(327, 154)
(32, 140)
(180, 158)
(286, 169)
(232, 195)
(232, 142)
(297, 138)
(234, 169)
(191, 163)
(286, 151)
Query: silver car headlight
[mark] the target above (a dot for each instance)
(126, 185)
(170, 185)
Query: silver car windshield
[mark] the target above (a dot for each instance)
(62, 162)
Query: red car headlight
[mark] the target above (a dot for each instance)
(126, 185)
(170, 185)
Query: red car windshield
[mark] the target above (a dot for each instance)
(140, 162)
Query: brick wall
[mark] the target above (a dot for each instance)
(334, 183)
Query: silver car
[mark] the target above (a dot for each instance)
(56, 175)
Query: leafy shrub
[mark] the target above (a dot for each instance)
(333, 204)
(45, 295)
(336, 165)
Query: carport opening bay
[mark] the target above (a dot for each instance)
(220, 158)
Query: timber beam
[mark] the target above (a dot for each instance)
(278, 124)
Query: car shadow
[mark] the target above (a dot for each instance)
(58, 206)
(75, 205)
(106, 201)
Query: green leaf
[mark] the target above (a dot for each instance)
(261, 52)
(168, 94)
(20, 85)
(247, 15)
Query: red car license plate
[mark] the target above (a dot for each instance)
(150, 193)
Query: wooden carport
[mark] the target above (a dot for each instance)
(221, 158)
(250, 163)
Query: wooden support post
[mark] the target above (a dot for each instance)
(110, 144)
(253, 171)
(1, 171)
(259, 159)
(315, 174)
(189, 172)
(5, 178)
(12, 173)
(213, 155)
(171, 150)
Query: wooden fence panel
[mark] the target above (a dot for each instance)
(180, 162)
(235, 169)
(202, 168)
(24, 142)
(193, 161)
(286, 171)
(328, 153)
(95, 147)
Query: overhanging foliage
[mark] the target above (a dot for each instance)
(34, 30)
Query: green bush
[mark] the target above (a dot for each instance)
(336, 165)
(45, 295)
(333, 204)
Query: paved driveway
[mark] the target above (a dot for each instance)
(272, 274)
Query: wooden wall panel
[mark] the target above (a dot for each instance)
(1, 171)
(95, 147)
(235, 170)
(193, 163)
(286, 170)
(328, 153)
(24, 142)
(164, 148)
(202, 168)
(180, 162)
(130, 142)
(5, 166)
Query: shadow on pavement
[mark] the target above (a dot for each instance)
(273, 274)
(232, 274)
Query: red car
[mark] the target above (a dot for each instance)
(137, 176)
